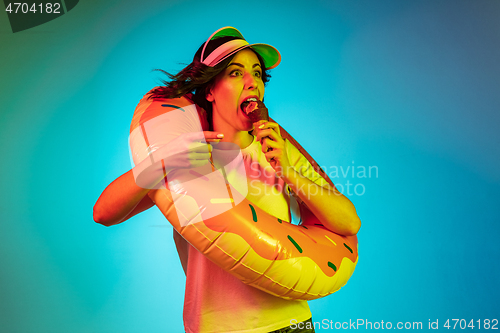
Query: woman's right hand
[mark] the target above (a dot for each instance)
(123, 198)
(189, 150)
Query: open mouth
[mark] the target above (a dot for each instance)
(246, 102)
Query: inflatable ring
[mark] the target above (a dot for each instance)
(303, 262)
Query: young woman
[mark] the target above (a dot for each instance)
(225, 72)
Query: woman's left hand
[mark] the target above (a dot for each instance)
(273, 145)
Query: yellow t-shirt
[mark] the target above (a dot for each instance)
(216, 301)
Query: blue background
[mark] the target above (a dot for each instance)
(410, 87)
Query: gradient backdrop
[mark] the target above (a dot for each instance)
(410, 88)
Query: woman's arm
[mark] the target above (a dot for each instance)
(121, 200)
(124, 198)
(333, 209)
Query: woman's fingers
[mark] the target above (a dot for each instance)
(268, 133)
(267, 129)
(268, 124)
(199, 156)
(273, 154)
(197, 147)
(197, 163)
(213, 136)
(201, 137)
(189, 150)
(269, 144)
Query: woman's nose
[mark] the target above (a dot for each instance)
(250, 81)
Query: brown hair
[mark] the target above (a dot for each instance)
(197, 78)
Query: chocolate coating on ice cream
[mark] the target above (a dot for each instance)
(256, 111)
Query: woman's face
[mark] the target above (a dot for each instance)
(241, 80)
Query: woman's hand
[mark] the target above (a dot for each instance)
(334, 210)
(273, 145)
(187, 151)
(127, 195)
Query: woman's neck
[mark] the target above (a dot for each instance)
(241, 138)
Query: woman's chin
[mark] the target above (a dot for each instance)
(247, 126)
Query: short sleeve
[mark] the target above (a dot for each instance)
(302, 165)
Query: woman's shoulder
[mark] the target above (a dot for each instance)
(302, 164)
(293, 152)
(150, 107)
(158, 94)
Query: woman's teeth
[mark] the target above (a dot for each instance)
(247, 101)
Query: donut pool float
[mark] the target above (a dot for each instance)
(305, 261)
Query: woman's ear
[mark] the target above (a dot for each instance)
(209, 95)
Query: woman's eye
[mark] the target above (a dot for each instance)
(236, 72)
(258, 74)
